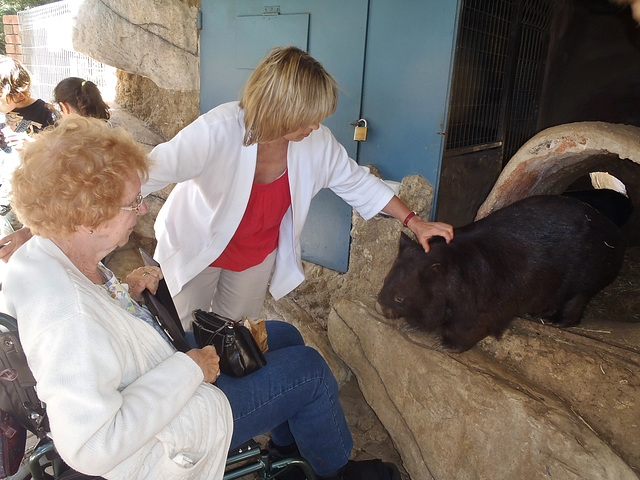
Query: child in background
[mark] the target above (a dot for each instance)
(76, 95)
(24, 115)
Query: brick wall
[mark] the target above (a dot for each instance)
(12, 38)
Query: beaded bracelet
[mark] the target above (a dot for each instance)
(409, 217)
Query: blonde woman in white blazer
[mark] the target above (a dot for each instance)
(273, 135)
(246, 173)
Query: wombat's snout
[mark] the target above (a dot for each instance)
(385, 312)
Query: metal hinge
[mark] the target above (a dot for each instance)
(271, 10)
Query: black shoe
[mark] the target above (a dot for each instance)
(371, 470)
(277, 452)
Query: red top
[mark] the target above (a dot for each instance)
(257, 234)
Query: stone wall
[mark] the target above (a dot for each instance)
(155, 46)
(155, 38)
(165, 111)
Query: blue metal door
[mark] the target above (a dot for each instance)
(236, 34)
(409, 59)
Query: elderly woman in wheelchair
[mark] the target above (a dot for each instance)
(122, 402)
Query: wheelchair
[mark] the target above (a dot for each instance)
(44, 463)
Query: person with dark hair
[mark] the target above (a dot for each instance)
(25, 115)
(76, 95)
(21, 117)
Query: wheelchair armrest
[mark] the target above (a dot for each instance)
(245, 451)
(249, 458)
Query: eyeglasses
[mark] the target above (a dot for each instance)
(137, 206)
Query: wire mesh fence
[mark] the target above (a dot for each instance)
(479, 78)
(48, 52)
(529, 74)
(498, 74)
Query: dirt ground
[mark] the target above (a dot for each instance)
(613, 315)
(620, 301)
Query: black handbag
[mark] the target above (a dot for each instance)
(238, 351)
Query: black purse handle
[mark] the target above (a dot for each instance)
(229, 324)
(165, 321)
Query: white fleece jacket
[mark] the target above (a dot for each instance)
(214, 172)
(122, 402)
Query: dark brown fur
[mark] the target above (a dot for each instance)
(544, 255)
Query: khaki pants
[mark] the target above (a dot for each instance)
(227, 293)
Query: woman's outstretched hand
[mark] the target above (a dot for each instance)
(12, 242)
(425, 230)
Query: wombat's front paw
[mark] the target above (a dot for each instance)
(451, 346)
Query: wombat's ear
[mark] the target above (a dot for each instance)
(436, 240)
(406, 241)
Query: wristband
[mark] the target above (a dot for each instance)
(409, 217)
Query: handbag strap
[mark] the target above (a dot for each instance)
(208, 330)
(163, 318)
(200, 316)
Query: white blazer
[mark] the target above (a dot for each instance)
(214, 172)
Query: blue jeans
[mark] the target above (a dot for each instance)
(295, 397)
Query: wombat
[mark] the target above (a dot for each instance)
(613, 205)
(543, 256)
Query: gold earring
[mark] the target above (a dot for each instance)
(90, 232)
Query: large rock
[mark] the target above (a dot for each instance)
(480, 415)
(154, 38)
(165, 111)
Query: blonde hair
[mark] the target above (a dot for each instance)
(14, 79)
(74, 174)
(288, 90)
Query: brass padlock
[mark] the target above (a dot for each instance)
(360, 133)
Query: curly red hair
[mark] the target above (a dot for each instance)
(74, 174)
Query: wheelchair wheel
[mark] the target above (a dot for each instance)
(25, 473)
